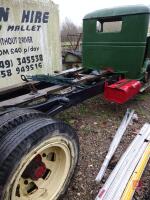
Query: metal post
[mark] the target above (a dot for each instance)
(116, 141)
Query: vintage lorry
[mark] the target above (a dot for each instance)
(38, 154)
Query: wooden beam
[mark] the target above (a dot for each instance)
(16, 87)
(30, 97)
(43, 92)
(26, 84)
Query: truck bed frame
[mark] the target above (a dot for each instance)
(54, 98)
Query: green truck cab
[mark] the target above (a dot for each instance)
(118, 38)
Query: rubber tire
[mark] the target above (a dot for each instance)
(17, 116)
(24, 138)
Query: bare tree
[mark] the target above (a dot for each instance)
(69, 28)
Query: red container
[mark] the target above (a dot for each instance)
(121, 91)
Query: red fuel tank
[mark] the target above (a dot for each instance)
(121, 91)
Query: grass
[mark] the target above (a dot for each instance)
(97, 110)
(90, 115)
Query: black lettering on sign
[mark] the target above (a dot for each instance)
(9, 40)
(25, 16)
(45, 17)
(34, 17)
(24, 28)
(6, 64)
(38, 17)
(10, 28)
(4, 13)
(5, 73)
(4, 52)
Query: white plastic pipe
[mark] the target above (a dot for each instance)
(123, 162)
(116, 141)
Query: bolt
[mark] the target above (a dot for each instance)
(26, 182)
(44, 155)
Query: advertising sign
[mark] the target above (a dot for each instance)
(29, 39)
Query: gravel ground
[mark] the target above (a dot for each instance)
(96, 122)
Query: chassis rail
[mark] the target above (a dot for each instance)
(54, 98)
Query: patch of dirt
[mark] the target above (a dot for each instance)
(96, 122)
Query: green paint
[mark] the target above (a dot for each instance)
(148, 48)
(123, 51)
(119, 11)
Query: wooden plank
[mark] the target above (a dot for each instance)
(30, 97)
(25, 84)
(41, 93)
(16, 87)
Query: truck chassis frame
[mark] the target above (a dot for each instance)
(54, 98)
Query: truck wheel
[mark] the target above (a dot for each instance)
(37, 160)
(16, 117)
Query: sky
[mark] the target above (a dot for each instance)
(75, 10)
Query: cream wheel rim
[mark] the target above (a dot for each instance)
(51, 174)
